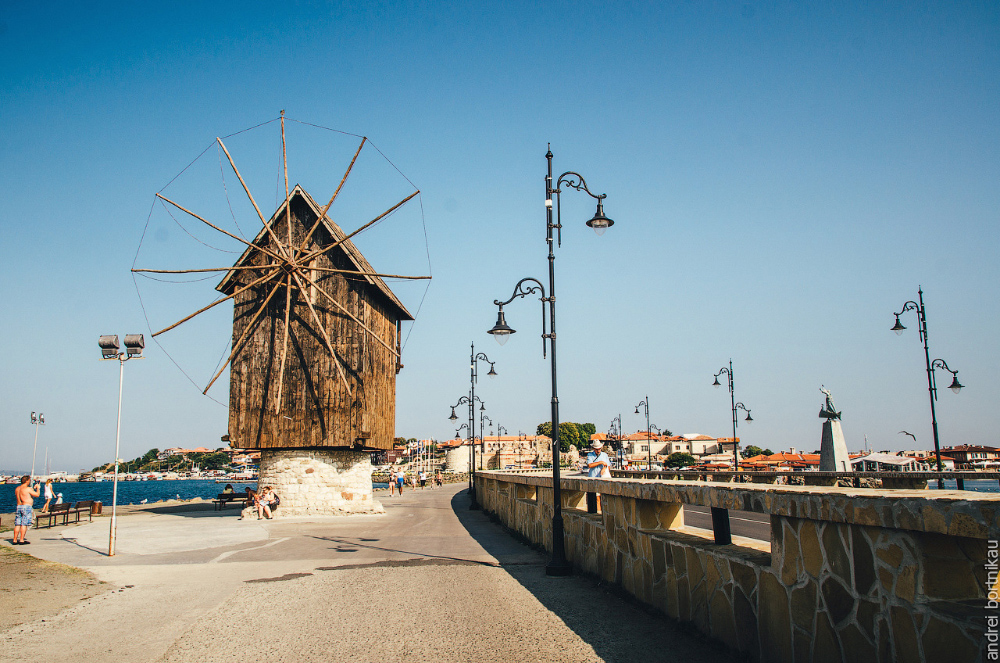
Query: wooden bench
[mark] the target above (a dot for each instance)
(65, 510)
(55, 511)
(223, 499)
(83, 506)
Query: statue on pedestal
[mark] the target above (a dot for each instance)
(833, 456)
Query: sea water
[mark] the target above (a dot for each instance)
(131, 492)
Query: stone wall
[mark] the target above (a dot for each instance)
(319, 481)
(850, 574)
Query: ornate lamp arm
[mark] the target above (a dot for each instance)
(741, 406)
(727, 373)
(955, 385)
(521, 290)
(574, 181)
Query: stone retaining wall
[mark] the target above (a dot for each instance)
(850, 574)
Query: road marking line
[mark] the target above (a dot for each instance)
(233, 552)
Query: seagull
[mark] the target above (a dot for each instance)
(903, 432)
(144, 500)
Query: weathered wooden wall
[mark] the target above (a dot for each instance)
(316, 408)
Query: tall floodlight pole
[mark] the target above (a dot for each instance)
(558, 565)
(36, 421)
(955, 386)
(735, 408)
(110, 349)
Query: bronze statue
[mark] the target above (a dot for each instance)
(828, 411)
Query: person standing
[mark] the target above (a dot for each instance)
(25, 495)
(598, 465)
(438, 479)
(400, 480)
(49, 494)
(392, 482)
(423, 479)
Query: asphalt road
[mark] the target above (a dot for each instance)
(741, 523)
(428, 581)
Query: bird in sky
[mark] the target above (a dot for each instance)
(908, 433)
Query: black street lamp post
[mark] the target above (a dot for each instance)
(471, 426)
(501, 431)
(955, 385)
(736, 407)
(558, 565)
(615, 431)
(649, 443)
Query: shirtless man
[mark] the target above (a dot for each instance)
(25, 495)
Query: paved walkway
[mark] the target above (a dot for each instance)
(428, 581)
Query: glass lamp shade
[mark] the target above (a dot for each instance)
(716, 383)
(956, 386)
(453, 416)
(600, 223)
(637, 409)
(501, 331)
(749, 419)
(492, 373)
(898, 327)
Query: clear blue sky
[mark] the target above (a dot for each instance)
(782, 177)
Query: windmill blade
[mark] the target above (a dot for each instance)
(266, 277)
(284, 163)
(378, 218)
(240, 239)
(319, 220)
(357, 273)
(207, 269)
(239, 344)
(326, 337)
(284, 349)
(349, 314)
(267, 225)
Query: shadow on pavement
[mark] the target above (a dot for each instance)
(616, 626)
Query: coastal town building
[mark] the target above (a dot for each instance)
(785, 460)
(972, 455)
(877, 461)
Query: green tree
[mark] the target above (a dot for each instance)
(751, 450)
(568, 434)
(680, 459)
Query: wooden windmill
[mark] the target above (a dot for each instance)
(316, 330)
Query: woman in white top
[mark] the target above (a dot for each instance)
(264, 501)
(49, 495)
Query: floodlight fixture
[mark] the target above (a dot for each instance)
(134, 344)
(109, 346)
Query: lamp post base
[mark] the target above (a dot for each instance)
(473, 502)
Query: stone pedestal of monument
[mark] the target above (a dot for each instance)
(833, 456)
(312, 482)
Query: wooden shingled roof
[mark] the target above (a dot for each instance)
(347, 247)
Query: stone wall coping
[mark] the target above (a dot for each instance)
(950, 512)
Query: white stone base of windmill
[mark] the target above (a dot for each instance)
(833, 456)
(319, 482)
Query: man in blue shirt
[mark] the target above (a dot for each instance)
(598, 465)
(597, 460)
